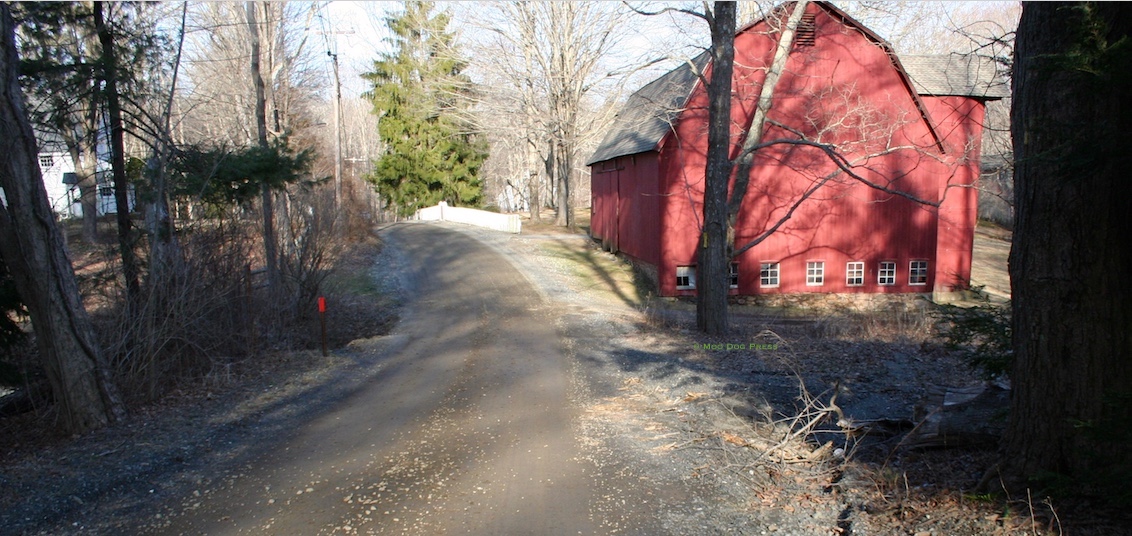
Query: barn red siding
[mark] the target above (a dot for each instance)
(626, 209)
(960, 122)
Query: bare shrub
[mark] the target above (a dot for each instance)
(312, 242)
(193, 319)
(209, 309)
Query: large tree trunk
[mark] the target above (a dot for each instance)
(1072, 376)
(712, 281)
(534, 201)
(551, 172)
(33, 249)
(565, 205)
(721, 213)
(109, 62)
(269, 242)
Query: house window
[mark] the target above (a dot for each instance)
(733, 275)
(854, 274)
(815, 273)
(46, 161)
(887, 273)
(918, 273)
(685, 277)
(768, 274)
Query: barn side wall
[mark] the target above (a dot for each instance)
(625, 212)
(960, 119)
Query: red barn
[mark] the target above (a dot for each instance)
(909, 129)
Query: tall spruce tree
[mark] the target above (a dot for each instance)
(420, 94)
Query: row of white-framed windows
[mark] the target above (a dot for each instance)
(46, 161)
(815, 273)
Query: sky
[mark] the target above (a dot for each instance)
(357, 32)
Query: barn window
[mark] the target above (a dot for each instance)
(768, 274)
(918, 273)
(46, 161)
(685, 277)
(815, 273)
(807, 31)
(887, 273)
(733, 275)
(854, 274)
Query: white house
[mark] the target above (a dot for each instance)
(61, 182)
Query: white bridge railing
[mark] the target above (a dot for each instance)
(508, 223)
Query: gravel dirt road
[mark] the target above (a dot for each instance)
(466, 429)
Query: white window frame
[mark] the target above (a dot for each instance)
(733, 275)
(855, 271)
(769, 274)
(688, 272)
(46, 161)
(886, 273)
(918, 275)
(815, 273)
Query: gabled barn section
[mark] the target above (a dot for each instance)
(901, 221)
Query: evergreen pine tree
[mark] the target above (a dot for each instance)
(421, 97)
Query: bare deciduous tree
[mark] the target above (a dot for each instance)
(110, 67)
(552, 58)
(226, 39)
(269, 242)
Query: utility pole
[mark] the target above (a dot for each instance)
(337, 134)
(332, 52)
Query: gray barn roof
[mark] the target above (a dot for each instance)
(648, 114)
(965, 75)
